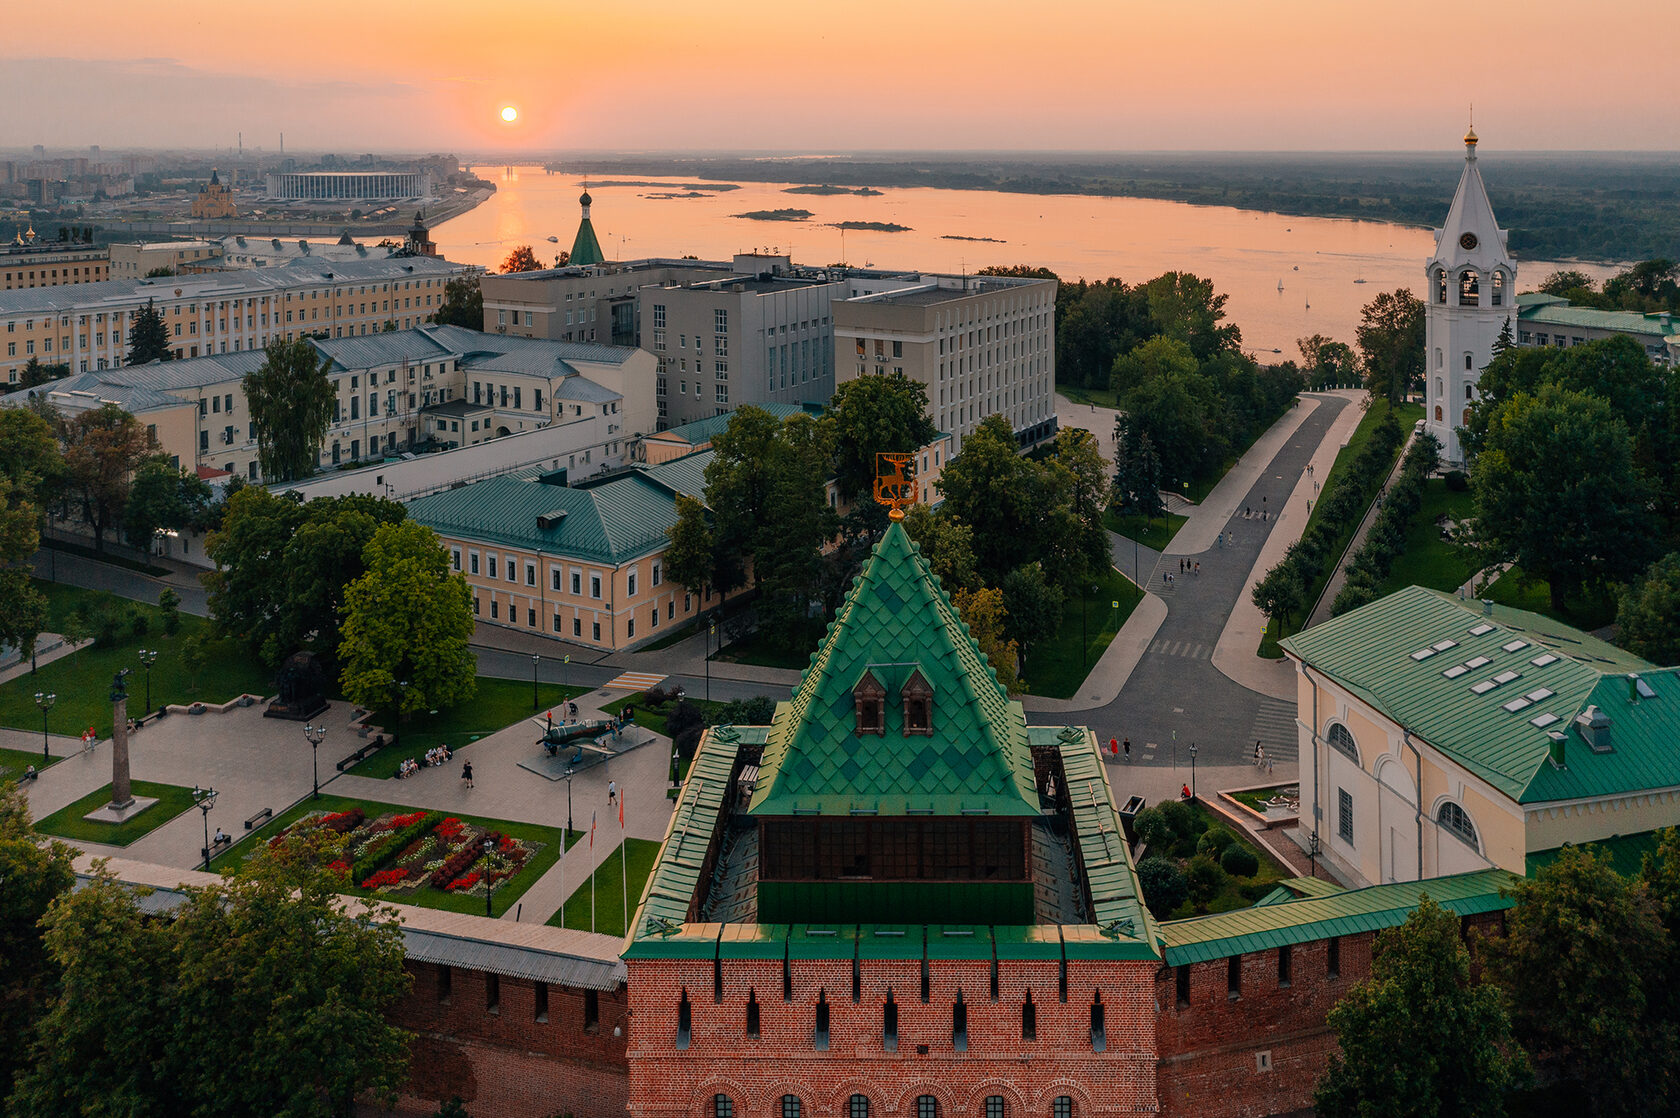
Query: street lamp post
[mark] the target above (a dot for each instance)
(1192, 770)
(45, 701)
(315, 735)
(148, 657)
(535, 658)
(711, 635)
(205, 799)
(569, 826)
(489, 885)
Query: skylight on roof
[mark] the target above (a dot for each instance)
(1455, 672)
(1484, 686)
(1442, 646)
(1514, 646)
(1516, 704)
(1477, 661)
(1507, 677)
(1481, 630)
(1539, 693)
(1543, 659)
(1423, 654)
(1543, 720)
(1646, 691)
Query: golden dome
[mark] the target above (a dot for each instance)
(1470, 138)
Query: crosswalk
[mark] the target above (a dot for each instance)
(1274, 727)
(634, 681)
(1189, 650)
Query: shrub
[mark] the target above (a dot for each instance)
(1239, 861)
(1163, 884)
(1186, 824)
(1458, 481)
(170, 603)
(139, 622)
(1153, 829)
(1205, 880)
(757, 711)
(1214, 841)
(386, 847)
(106, 620)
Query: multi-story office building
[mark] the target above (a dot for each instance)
(52, 265)
(138, 260)
(983, 345)
(222, 312)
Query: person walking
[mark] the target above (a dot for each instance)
(1113, 747)
(466, 773)
(612, 791)
(1198, 569)
(1127, 746)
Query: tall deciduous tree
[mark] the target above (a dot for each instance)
(875, 414)
(947, 544)
(1582, 951)
(993, 490)
(1032, 605)
(103, 448)
(982, 610)
(1077, 477)
(35, 871)
(408, 621)
(1185, 307)
(1648, 613)
(163, 496)
(31, 468)
(1420, 1001)
(798, 521)
(1327, 362)
(1281, 593)
(291, 399)
(689, 559)
(738, 483)
(521, 259)
(463, 304)
(148, 337)
(1557, 491)
(1390, 336)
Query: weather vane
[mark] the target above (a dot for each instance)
(895, 482)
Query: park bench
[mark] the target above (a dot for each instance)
(364, 752)
(30, 773)
(259, 817)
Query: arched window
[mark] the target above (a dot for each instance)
(995, 1107)
(1440, 385)
(1062, 1107)
(927, 1106)
(1498, 291)
(1341, 740)
(1440, 285)
(1469, 363)
(1467, 392)
(857, 1106)
(723, 1106)
(1469, 288)
(790, 1106)
(1454, 819)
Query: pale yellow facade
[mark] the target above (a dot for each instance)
(49, 266)
(136, 261)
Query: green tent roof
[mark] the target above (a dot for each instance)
(1489, 690)
(586, 248)
(897, 621)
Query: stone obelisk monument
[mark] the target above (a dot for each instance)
(122, 795)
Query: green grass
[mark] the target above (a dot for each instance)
(1428, 559)
(104, 557)
(770, 650)
(82, 680)
(498, 704)
(1257, 798)
(1407, 415)
(608, 881)
(1592, 610)
(67, 822)
(1156, 532)
(1057, 667)
(1102, 397)
(15, 762)
(1238, 890)
(505, 897)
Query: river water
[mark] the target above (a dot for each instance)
(1318, 261)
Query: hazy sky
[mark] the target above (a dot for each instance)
(858, 74)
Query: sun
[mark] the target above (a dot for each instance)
(509, 114)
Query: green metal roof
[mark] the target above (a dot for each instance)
(1204, 938)
(1294, 888)
(611, 523)
(702, 431)
(1555, 310)
(1395, 654)
(586, 248)
(895, 620)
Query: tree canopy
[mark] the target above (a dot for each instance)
(163, 497)
(872, 414)
(463, 304)
(291, 399)
(1391, 344)
(103, 448)
(35, 871)
(521, 259)
(1648, 613)
(407, 623)
(31, 470)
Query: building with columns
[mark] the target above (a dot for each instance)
(1471, 284)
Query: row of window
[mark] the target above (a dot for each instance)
(510, 564)
(493, 998)
(927, 1106)
(1285, 957)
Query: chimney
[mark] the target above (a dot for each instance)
(1487, 607)
(1633, 688)
(1559, 739)
(1594, 727)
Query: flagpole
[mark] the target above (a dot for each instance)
(562, 877)
(592, 872)
(623, 868)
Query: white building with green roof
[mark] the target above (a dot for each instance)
(1441, 736)
(1549, 320)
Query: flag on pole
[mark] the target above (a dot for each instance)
(592, 872)
(592, 830)
(623, 866)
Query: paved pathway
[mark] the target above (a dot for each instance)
(1338, 577)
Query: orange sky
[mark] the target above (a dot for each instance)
(787, 75)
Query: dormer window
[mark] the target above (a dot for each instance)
(870, 700)
(917, 696)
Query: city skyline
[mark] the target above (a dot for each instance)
(1308, 75)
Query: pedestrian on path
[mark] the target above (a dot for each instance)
(612, 791)
(1114, 747)
(1259, 754)
(1127, 746)
(1181, 566)
(1198, 569)
(466, 773)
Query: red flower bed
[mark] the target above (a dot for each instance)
(453, 865)
(450, 829)
(464, 882)
(385, 877)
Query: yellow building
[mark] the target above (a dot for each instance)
(214, 202)
(1439, 736)
(52, 265)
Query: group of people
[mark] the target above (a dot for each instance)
(437, 755)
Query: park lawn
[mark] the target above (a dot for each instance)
(82, 680)
(1057, 667)
(426, 897)
(609, 880)
(15, 762)
(1406, 414)
(1155, 532)
(1429, 560)
(766, 650)
(67, 822)
(1102, 397)
(1515, 589)
(497, 704)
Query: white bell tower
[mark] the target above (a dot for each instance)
(1471, 285)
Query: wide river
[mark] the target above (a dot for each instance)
(1319, 262)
